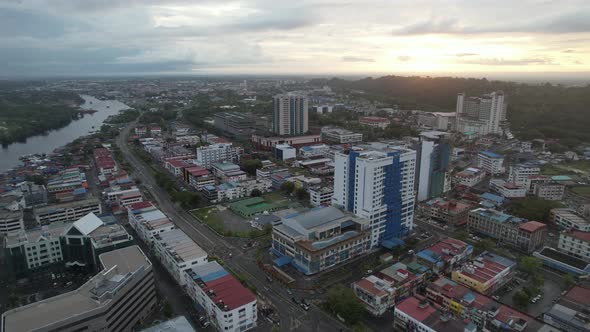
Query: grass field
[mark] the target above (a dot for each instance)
(209, 216)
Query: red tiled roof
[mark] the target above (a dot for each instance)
(375, 119)
(532, 226)
(140, 205)
(176, 163)
(230, 291)
(410, 307)
(578, 295)
(369, 287)
(197, 171)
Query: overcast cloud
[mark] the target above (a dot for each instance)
(105, 37)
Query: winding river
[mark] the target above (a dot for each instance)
(9, 155)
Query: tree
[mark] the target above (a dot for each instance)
(568, 281)
(167, 310)
(340, 300)
(532, 208)
(287, 187)
(485, 245)
(530, 265)
(256, 193)
(301, 194)
(521, 298)
(251, 165)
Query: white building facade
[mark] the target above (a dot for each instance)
(377, 184)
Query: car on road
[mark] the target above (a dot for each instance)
(289, 291)
(269, 279)
(304, 306)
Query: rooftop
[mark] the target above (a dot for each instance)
(178, 324)
(64, 206)
(180, 246)
(223, 289)
(491, 154)
(532, 226)
(584, 236)
(486, 266)
(88, 297)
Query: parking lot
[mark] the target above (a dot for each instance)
(550, 291)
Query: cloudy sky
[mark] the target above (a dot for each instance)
(88, 37)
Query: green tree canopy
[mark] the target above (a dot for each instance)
(340, 300)
(287, 187)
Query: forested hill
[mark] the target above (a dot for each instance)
(27, 113)
(535, 111)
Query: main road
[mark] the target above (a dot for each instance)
(292, 316)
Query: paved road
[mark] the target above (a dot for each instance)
(292, 317)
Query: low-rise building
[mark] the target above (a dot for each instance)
(70, 244)
(178, 253)
(267, 143)
(178, 324)
(148, 221)
(575, 243)
(11, 221)
(451, 212)
(235, 124)
(551, 191)
(569, 219)
(118, 298)
(520, 173)
(374, 121)
(382, 290)
(444, 255)
(517, 233)
(284, 152)
(217, 153)
(477, 309)
(70, 211)
(416, 314)
(564, 262)
(314, 151)
(175, 165)
(249, 207)
(320, 196)
(570, 313)
(320, 239)
(490, 162)
(197, 177)
(229, 305)
(507, 189)
(487, 273)
(469, 177)
(221, 170)
(340, 136)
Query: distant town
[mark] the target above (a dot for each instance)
(286, 204)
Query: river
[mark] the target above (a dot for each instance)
(9, 155)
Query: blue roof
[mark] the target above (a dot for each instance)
(491, 154)
(428, 255)
(492, 197)
(214, 275)
(79, 191)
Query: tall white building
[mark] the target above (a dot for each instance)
(377, 183)
(481, 114)
(220, 152)
(290, 114)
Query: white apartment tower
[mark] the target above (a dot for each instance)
(290, 114)
(377, 183)
(481, 114)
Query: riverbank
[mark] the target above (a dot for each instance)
(47, 143)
